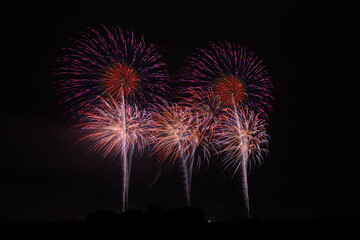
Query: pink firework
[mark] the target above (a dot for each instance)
(242, 137)
(118, 131)
(234, 74)
(104, 76)
(230, 83)
(110, 62)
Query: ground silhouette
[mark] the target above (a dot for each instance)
(180, 223)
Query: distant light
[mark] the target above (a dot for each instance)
(209, 220)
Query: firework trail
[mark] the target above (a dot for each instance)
(243, 138)
(176, 137)
(233, 80)
(115, 66)
(111, 134)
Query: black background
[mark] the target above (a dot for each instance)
(47, 174)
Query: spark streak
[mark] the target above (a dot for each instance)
(236, 85)
(243, 138)
(114, 129)
(176, 138)
(109, 69)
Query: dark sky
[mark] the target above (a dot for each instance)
(47, 174)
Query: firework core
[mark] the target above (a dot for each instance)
(230, 88)
(120, 78)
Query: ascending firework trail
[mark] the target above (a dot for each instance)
(176, 138)
(243, 138)
(229, 78)
(111, 69)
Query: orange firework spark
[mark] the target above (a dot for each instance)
(175, 132)
(230, 90)
(208, 109)
(120, 78)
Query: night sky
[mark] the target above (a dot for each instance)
(47, 174)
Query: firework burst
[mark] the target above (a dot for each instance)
(124, 71)
(112, 63)
(176, 137)
(207, 108)
(229, 81)
(233, 73)
(242, 137)
(116, 130)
